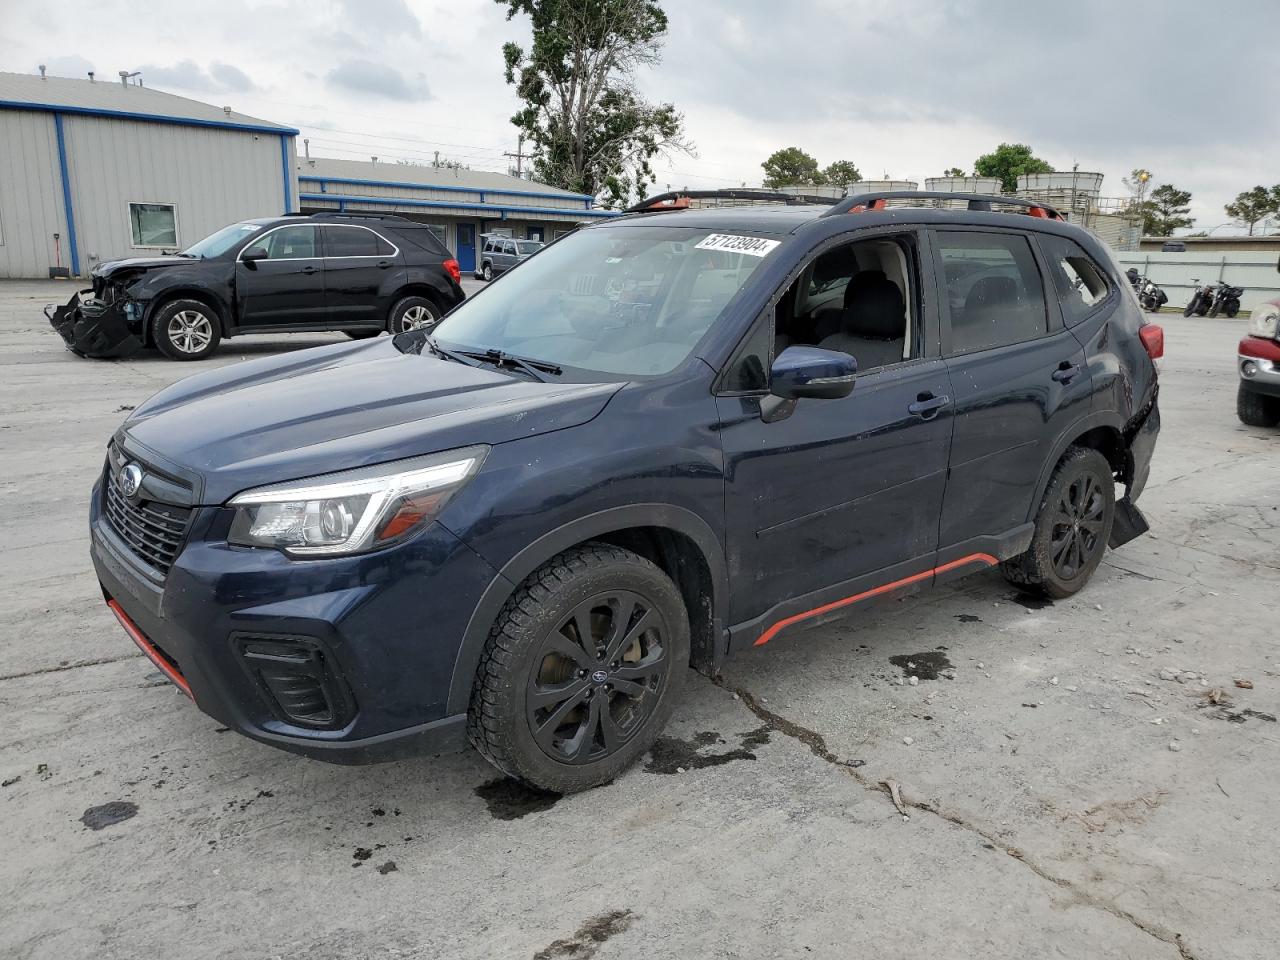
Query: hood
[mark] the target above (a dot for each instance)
(107, 268)
(340, 407)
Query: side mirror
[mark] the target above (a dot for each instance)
(800, 372)
(254, 254)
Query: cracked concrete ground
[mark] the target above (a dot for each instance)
(1062, 798)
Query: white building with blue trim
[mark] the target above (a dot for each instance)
(460, 205)
(91, 170)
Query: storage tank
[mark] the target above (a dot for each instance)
(881, 186)
(987, 186)
(809, 190)
(1064, 181)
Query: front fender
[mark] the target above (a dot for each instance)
(592, 526)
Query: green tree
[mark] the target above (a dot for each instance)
(1008, 162)
(1165, 211)
(790, 166)
(840, 173)
(1250, 206)
(954, 172)
(591, 130)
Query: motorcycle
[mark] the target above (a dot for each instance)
(1150, 296)
(1213, 298)
(1226, 299)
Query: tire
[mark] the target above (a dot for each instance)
(1202, 308)
(1232, 308)
(362, 334)
(1191, 307)
(1213, 310)
(1072, 527)
(1257, 409)
(532, 651)
(186, 330)
(412, 313)
(487, 272)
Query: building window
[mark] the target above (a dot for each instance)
(154, 224)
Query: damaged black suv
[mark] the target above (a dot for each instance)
(355, 273)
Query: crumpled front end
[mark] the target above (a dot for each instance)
(102, 323)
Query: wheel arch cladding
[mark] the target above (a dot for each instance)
(1101, 432)
(678, 541)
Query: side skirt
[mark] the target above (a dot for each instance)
(950, 563)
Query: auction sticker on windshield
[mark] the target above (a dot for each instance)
(754, 246)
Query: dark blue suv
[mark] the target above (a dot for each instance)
(665, 438)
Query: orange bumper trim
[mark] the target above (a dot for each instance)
(145, 645)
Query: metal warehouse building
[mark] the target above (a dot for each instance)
(92, 171)
(460, 205)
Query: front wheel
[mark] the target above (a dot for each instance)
(581, 669)
(1256, 409)
(1190, 308)
(412, 313)
(186, 330)
(1072, 527)
(1213, 310)
(1232, 308)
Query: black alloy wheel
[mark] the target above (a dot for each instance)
(598, 677)
(1077, 526)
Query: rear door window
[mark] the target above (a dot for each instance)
(994, 290)
(1080, 283)
(350, 242)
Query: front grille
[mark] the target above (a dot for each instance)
(154, 531)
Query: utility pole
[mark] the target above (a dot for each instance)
(520, 157)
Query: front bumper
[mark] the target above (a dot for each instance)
(1258, 361)
(96, 328)
(386, 627)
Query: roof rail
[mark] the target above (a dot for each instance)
(857, 203)
(679, 199)
(335, 215)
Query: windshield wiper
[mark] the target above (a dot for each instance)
(447, 354)
(529, 365)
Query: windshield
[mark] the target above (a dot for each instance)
(216, 244)
(528, 247)
(624, 301)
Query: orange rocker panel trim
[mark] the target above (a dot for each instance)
(146, 647)
(984, 558)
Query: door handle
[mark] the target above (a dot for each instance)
(926, 406)
(308, 270)
(384, 264)
(1066, 371)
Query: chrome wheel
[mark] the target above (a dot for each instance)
(415, 317)
(190, 331)
(598, 677)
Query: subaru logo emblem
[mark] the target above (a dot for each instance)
(130, 479)
(599, 676)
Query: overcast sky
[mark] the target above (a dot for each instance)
(1185, 88)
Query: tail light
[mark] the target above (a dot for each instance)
(451, 267)
(1152, 336)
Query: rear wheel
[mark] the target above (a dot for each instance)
(1257, 409)
(1232, 308)
(487, 272)
(413, 313)
(1072, 527)
(581, 669)
(186, 330)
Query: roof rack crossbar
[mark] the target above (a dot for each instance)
(334, 214)
(856, 203)
(679, 199)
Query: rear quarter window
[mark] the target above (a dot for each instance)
(1080, 283)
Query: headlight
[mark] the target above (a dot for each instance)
(352, 511)
(1263, 321)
